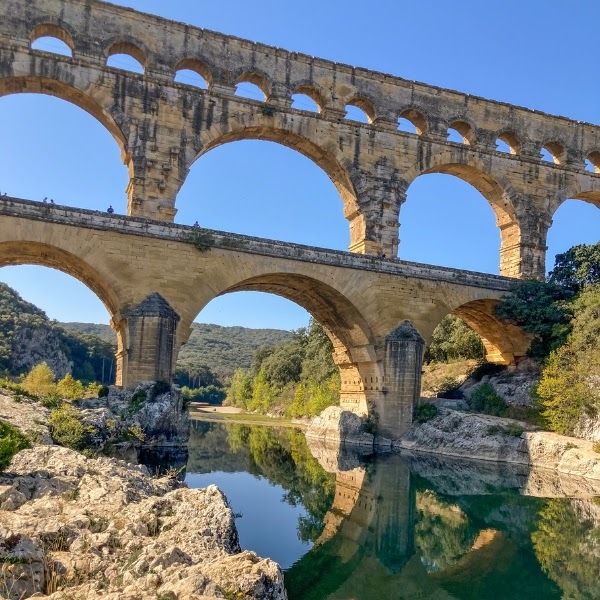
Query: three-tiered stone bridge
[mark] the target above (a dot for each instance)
(154, 277)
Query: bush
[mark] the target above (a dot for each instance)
(425, 412)
(69, 388)
(39, 381)
(103, 391)
(136, 402)
(67, 428)
(596, 447)
(11, 442)
(484, 399)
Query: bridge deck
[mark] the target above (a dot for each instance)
(91, 219)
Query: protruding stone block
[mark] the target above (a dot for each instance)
(404, 349)
(152, 326)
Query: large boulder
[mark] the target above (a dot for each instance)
(335, 424)
(102, 528)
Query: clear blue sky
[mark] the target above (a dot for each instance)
(538, 53)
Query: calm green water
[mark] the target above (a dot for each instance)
(399, 526)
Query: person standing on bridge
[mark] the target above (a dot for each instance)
(110, 210)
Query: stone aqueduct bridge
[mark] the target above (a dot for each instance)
(162, 127)
(155, 277)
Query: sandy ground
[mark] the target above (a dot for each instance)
(209, 408)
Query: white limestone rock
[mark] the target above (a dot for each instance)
(335, 424)
(102, 528)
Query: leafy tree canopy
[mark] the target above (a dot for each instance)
(577, 267)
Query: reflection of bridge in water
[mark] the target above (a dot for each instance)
(373, 545)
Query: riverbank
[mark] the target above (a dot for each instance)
(469, 436)
(75, 526)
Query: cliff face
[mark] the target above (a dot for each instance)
(28, 337)
(32, 345)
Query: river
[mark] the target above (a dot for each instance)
(344, 526)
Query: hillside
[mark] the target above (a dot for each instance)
(220, 349)
(28, 337)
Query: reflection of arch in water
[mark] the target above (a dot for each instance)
(367, 550)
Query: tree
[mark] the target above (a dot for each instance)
(240, 390)
(69, 388)
(577, 268)
(569, 385)
(541, 309)
(453, 339)
(39, 381)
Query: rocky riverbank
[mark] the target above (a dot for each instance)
(468, 435)
(74, 527)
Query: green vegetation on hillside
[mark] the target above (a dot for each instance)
(563, 314)
(28, 337)
(11, 442)
(295, 378)
(210, 356)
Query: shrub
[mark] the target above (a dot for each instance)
(596, 447)
(484, 399)
(136, 402)
(71, 389)
(67, 428)
(425, 412)
(514, 430)
(51, 400)
(11, 442)
(103, 391)
(136, 433)
(39, 381)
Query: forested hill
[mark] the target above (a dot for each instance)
(28, 337)
(220, 349)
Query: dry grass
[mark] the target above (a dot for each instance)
(434, 374)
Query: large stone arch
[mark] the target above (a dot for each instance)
(496, 189)
(504, 343)
(82, 99)
(349, 332)
(265, 127)
(29, 252)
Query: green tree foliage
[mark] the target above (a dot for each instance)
(570, 381)
(11, 442)
(211, 394)
(298, 377)
(452, 340)
(484, 399)
(70, 388)
(240, 389)
(577, 268)
(39, 381)
(541, 309)
(67, 428)
(566, 544)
